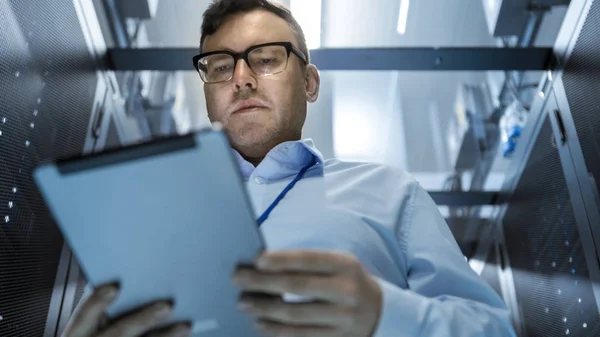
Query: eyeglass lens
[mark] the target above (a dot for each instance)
(263, 61)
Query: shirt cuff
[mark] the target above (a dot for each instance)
(402, 312)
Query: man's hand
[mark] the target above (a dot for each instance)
(346, 298)
(89, 319)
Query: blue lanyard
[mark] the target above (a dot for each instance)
(281, 195)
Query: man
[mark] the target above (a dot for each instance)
(363, 244)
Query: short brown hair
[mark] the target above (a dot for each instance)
(218, 10)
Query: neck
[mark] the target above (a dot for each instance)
(255, 154)
(255, 161)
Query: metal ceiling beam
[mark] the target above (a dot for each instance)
(460, 199)
(415, 59)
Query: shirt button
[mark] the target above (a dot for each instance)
(259, 180)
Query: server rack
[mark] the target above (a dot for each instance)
(548, 232)
(110, 127)
(50, 89)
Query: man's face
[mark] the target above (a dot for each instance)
(277, 103)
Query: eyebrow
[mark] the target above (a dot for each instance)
(220, 49)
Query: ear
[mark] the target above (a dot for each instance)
(313, 83)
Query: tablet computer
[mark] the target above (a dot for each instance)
(169, 219)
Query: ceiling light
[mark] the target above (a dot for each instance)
(308, 15)
(403, 16)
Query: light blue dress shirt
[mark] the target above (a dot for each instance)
(391, 225)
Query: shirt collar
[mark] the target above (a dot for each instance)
(284, 160)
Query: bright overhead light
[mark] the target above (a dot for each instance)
(403, 16)
(308, 15)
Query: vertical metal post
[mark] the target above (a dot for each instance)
(58, 292)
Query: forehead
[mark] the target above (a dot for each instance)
(242, 30)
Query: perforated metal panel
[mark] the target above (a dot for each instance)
(47, 85)
(543, 245)
(582, 87)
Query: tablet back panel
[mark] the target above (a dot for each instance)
(168, 219)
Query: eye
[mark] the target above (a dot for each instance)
(221, 69)
(266, 61)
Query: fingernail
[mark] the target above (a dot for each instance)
(162, 309)
(108, 292)
(244, 305)
(183, 331)
(240, 280)
(262, 262)
(260, 327)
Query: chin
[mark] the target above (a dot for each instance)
(251, 132)
(252, 140)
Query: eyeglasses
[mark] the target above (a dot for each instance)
(264, 60)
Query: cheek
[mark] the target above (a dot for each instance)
(216, 105)
(283, 94)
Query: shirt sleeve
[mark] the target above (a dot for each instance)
(445, 297)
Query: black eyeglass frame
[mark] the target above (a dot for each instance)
(289, 47)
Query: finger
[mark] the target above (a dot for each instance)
(88, 317)
(259, 296)
(311, 261)
(320, 287)
(270, 328)
(178, 330)
(103, 321)
(139, 322)
(304, 314)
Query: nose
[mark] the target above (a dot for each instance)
(243, 77)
